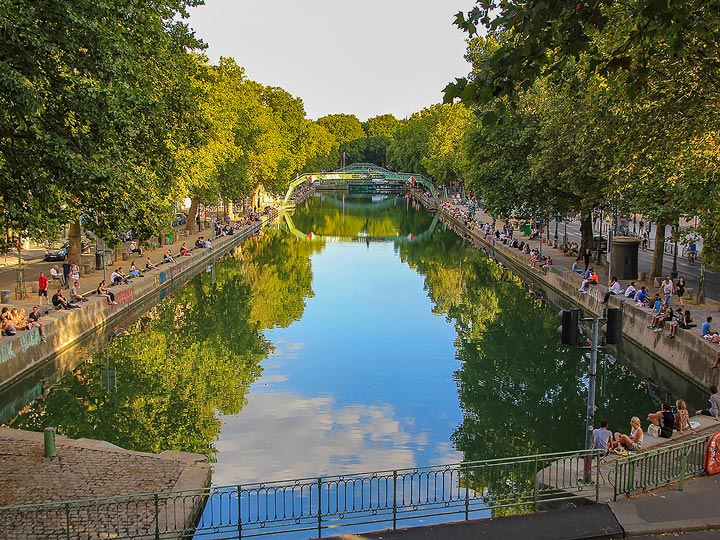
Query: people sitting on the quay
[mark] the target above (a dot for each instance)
(602, 438)
(614, 288)
(134, 248)
(633, 441)
(17, 316)
(103, 291)
(60, 302)
(631, 290)
(184, 251)
(682, 416)
(656, 306)
(75, 295)
(714, 409)
(534, 256)
(547, 263)
(585, 287)
(149, 265)
(167, 257)
(118, 277)
(659, 319)
(574, 249)
(706, 329)
(134, 271)
(526, 249)
(664, 419)
(55, 274)
(576, 266)
(674, 322)
(7, 326)
(35, 321)
(688, 320)
(641, 297)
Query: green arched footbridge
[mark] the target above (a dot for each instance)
(364, 172)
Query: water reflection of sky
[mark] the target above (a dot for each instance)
(363, 382)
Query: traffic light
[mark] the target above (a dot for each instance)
(613, 334)
(570, 319)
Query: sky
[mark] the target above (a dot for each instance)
(366, 58)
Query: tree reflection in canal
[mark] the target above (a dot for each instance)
(193, 358)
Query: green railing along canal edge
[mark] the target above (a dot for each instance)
(366, 501)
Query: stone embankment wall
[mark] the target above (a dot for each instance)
(63, 329)
(688, 354)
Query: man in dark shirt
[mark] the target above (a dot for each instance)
(59, 301)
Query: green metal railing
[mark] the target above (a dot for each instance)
(354, 502)
(660, 466)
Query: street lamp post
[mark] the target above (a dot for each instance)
(674, 272)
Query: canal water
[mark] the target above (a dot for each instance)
(359, 335)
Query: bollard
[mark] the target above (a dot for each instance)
(49, 442)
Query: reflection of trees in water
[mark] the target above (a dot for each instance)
(192, 356)
(330, 219)
(520, 390)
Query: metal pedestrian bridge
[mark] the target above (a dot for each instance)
(364, 172)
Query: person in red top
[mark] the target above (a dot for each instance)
(43, 288)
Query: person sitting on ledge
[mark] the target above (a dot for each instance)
(632, 442)
(149, 265)
(35, 321)
(134, 271)
(614, 288)
(75, 295)
(184, 250)
(576, 266)
(102, 290)
(664, 419)
(60, 302)
(168, 258)
(7, 326)
(641, 297)
(17, 316)
(675, 321)
(688, 321)
(631, 290)
(118, 277)
(199, 241)
(134, 248)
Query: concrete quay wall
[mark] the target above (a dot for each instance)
(64, 328)
(689, 355)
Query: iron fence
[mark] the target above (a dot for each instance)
(353, 502)
(660, 466)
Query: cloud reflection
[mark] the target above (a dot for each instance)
(282, 436)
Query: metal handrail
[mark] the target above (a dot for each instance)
(381, 498)
(660, 466)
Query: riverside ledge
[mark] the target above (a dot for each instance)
(26, 351)
(688, 355)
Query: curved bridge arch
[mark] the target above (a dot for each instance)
(363, 171)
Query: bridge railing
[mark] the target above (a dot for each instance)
(352, 503)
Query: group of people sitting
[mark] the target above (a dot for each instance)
(13, 320)
(663, 423)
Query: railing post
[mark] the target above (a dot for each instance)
(394, 500)
(615, 483)
(535, 484)
(467, 492)
(319, 502)
(631, 477)
(597, 477)
(157, 517)
(67, 520)
(239, 510)
(683, 470)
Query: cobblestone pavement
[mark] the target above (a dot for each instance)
(85, 469)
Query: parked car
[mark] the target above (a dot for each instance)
(179, 219)
(59, 254)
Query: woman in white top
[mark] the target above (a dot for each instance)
(632, 442)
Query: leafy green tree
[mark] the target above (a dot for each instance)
(384, 125)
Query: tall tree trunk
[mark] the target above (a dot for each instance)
(586, 232)
(230, 209)
(657, 262)
(75, 249)
(191, 224)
